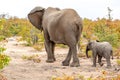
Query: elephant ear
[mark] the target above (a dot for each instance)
(35, 17)
(36, 9)
(90, 43)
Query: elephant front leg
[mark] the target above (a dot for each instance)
(68, 58)
(94, 59)
(94, 62)
(75, 62)
(49, 46)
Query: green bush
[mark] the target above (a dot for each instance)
(2, 50)
(104, 33)
(112, 38)
(118, 62)
(4, 59)
(2, 37)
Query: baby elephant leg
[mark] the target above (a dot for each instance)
(94, 58)
(108, 62)
(94, 61)
(99, 60)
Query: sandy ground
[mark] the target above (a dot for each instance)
(20, 69)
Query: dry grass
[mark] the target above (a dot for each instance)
(118, 61)
(35, 58)
(117, 52)
(65, 77)
(38, 47)
(2, 77)
(104, 76)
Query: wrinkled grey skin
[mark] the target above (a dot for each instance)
(59, 26)
(100, 49)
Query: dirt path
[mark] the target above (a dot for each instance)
(20, 69)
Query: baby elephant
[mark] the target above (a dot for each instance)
(100, 49)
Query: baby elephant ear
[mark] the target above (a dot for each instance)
(97, 41)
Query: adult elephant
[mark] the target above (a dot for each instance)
(59, 26)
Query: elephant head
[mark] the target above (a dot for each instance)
(89, 47)
(35, 17)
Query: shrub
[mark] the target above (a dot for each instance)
(118, 61)
(4, 59)
(105, 33)
(111, 38)
(2, 50)
(2, 37)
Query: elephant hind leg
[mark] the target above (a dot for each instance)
(75, 62)
(50, 51)
(53, 48)
(99, 60)
(72, 43)
(108, 62)
(68, 58)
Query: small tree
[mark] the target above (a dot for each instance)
(109, 13)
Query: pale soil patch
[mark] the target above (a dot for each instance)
(20, 69)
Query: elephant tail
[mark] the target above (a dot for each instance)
(79, 26)
(112, 53)
(79, 29)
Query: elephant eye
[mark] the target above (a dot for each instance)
(90, 43)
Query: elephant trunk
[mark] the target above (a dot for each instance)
(87, 52)
(112, 54)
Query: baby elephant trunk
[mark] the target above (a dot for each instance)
(87, 52)
(112, 54)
